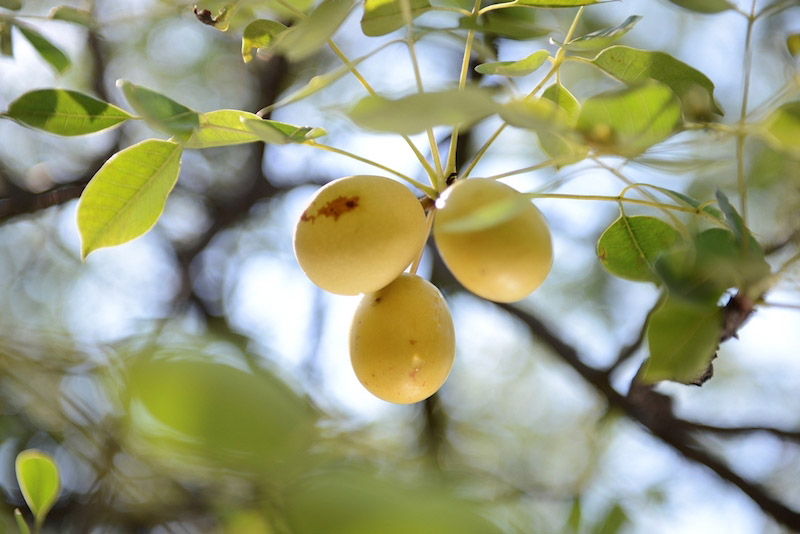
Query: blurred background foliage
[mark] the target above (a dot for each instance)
(195, 381)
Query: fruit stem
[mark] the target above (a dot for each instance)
(429, 222)
(422, 187)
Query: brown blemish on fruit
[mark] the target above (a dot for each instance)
(334, 208)
(412, 341)
(414, 372)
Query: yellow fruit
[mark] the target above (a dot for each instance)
(359, 233)
(402, 341)
(493, 239)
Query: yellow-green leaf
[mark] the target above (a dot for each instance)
(540, 114)
(6, 43)
(47, 50)
(385, 16)
(222, 127)
(563, 147)
(417, 112)
(521, 67)
(11, 4)
(633, 66)
(65, 112)
(629, 247)
(259, 34)
(127, 195)
(311, 34)
(782, 128)
(601, 38)
(37, 475)
(280, 133)
(793, 44)
(704, 6)
(160, 112)
(629, 121)
(22, 525)
(683, 336)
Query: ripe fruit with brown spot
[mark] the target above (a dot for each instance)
(402, 340)
(493, 239)
(359, 233)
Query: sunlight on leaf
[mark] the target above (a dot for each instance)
(682, 336)
(64, 112)
(72, 14)
(127, 195)
(414, 113)
(633, 66)
(47, 50)
(629, 247)
(601, 38)
(512, 23)
(539, 114)
(222, 127)
(309, 35)
(280, 133)
(385, 16)
(782, 128)
(564, 147)
(629, 121)
(159, 111)
(521, 67)
(259, 34)
(37, 475)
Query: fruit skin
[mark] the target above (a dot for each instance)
(503, 258)
(359, 233)
(402, 340)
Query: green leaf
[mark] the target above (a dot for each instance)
(613, 521)
(159, 111)
(72, 14)
(311, 34)
(563, 147)
(629, 121)
(22, 525)
(558, 3)
(629, 247)
(127, 195)
(37, 475)
(11, 4)
(601, 38)
(539, 114)
(633, 66)
(280, 133)
(782, 128)
(683, 336)
(703, 6)
(222, 127)
(575, 517)
(259, 34)
(688, 201)
(64, 112)
(385, 16)
(6, 42)
(415, 113)
(521, 67)
(512, 23)
(793, 44)
(47, 50)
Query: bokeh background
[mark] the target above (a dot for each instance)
(194, 380)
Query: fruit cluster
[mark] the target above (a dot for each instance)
(359, 234)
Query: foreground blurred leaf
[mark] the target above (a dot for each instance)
(601, 38)
(538, 114)
(187, 408)
(160, 112)
(72, 14)
(280, 133)
(629, 121)
(613, 521)
(415, 113)
(782, 128)
(703, 6)
(259, 34)
(563, 147)
(309, 35)
(127, 195)
(683, 336)
(793, 44)
(37, 475)
(521, 67)
(512, 23)
(47, 50)
(64, 112)
(21, 524)
(633, 66)
(490, 214)
(385, 16)
(356, 501)
(629, 247)
(11, 4)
